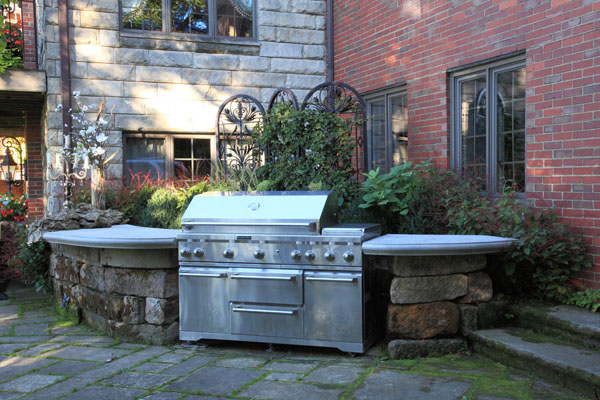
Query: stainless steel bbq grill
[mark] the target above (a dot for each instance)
(272, 267)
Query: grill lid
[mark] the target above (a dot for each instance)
(260, 212)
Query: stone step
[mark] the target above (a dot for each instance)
(568, 323)
(573, 367)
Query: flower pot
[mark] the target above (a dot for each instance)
(98, 188)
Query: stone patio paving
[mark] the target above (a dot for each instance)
(46, 356)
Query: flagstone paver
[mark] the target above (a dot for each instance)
(152, 367)
(70, 363)
(29, 383)
(68, 367)
(214, 380)
(289, 391)
(137, 380)
(290, 366)
(104, 393)
(86, 353)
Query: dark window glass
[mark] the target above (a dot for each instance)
(145, 15)
(399, 127)
(144, 157)
(189, 16)
(510, 112)
(191, 158)
(377, 130)
(473, 128)
(234, 18)
(388, 131)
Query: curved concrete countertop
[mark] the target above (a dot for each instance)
(436, 245)
(117, 237)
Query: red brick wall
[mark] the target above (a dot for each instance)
(380, 43)
(35, 174)
(28, 19)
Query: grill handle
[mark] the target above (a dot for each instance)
(203, 274)
(314, 278)
(267, 278)
(262, 311)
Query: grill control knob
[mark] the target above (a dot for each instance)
(260, 254)
(199, 252)
(329, 255)
(348, 256)
(310, 255)
(296, 255)
(185, 252)
(228, 253)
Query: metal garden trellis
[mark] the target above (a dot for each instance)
(239, 114)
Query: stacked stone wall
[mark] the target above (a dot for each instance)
(125, 293)
(164, 83)
(433, 300)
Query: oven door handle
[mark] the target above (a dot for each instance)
(263, 311)
(315, 278)
(267, 278)
(204, 274)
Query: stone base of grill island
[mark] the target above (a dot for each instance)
(123, 279)
(436, 288)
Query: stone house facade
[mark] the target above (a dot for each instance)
(164, 77)
(506, 90)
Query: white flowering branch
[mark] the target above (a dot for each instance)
(90, 137)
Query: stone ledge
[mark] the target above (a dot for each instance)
(116, 237)
(436, 245)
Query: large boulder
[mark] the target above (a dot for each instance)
(84, 216)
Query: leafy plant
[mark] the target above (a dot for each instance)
(307, 147)
(13, 208)
(167, 205)
(33, 263)
(11, 42)
(588, 298)
(421, 199)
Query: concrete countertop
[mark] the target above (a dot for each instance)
(436, 245)
(116, 237)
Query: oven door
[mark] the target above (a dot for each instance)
(265, 285)
(333, 306)
(203, 300)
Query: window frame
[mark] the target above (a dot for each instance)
(169, 149)
(386, 95)
(211, 36)
(489, 71)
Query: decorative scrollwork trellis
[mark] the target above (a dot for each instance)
(342, 99)
(239, 114)
(283, 95)
(236, 118)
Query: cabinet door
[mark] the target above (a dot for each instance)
(333, 306)
(203, 300)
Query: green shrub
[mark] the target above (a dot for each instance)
(307, 148)
(167, 205)
(33, 263)
(421, 200)
(588, 298)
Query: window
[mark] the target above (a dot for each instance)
(208, 18)
(164, 156)
(387, 129)
(488, 125)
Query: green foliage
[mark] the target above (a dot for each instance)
(13, 208)
(411, 199)
(167, 205)
(307, 148)
(33, 264)
(422, 200)
(588, 298)
(11, 42)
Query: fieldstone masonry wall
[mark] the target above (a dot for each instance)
(434, 297)
(128, 293)
(162, 83)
